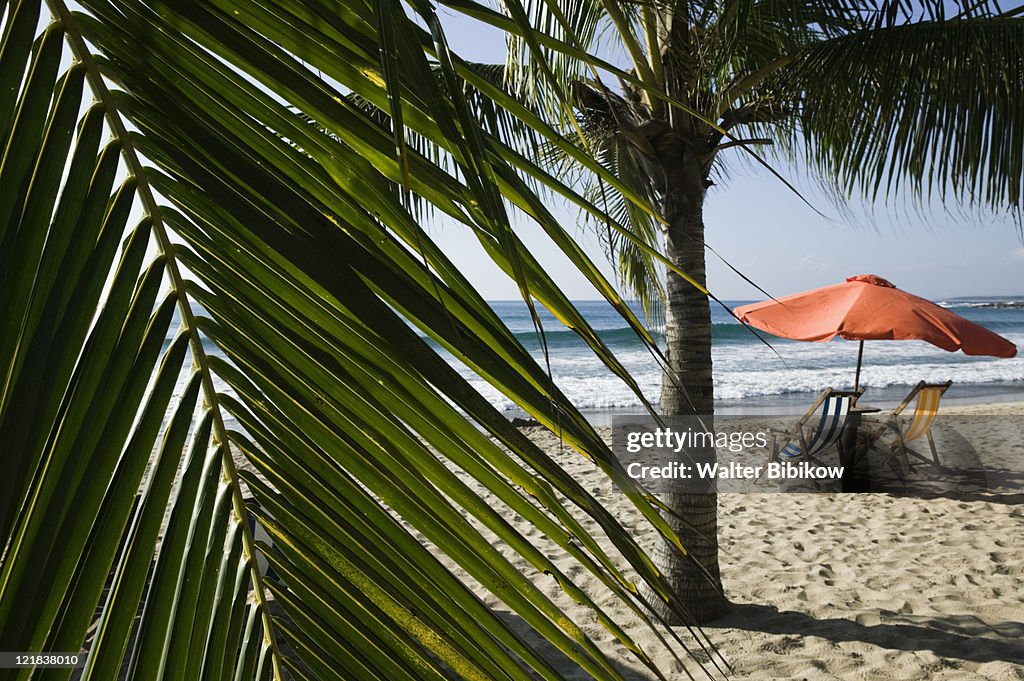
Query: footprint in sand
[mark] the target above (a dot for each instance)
(878, 583)
(783, 645)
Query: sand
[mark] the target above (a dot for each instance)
(923, 580)
(853, 586)
(917, 582)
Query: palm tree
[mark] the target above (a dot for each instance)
(232, 295)
(877, 99)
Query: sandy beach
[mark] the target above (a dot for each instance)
(918, 583)
(855, 586)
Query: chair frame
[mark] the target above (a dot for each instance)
(800, 432)
(899, 445)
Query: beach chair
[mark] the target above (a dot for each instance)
(802, 442)
(928, 396)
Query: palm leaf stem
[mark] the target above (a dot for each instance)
(654, 55)
(744, 85)
(152, 209)
(632, 45)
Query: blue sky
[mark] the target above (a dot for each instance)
(768, 233)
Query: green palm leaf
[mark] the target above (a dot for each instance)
(903, 80)
(299, 292)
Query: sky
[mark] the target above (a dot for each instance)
(768, 233)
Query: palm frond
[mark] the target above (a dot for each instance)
(494, 120)
(300, 371)
(573, 22)
(921, 107)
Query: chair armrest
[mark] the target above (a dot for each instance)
(797, 434)
(792, 431)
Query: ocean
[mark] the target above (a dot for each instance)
(750, 377)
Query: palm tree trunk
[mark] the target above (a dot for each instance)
(687, 389)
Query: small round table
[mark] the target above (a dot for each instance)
(853, 480)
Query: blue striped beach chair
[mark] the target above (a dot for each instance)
(803, 443)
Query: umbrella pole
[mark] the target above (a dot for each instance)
(860, 358)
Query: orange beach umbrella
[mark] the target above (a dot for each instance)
(867, 307)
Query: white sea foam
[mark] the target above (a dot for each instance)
(748, 368)
(743, 371)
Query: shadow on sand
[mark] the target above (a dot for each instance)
(976, 463)
(963, 637)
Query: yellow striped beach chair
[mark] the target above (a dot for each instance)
(928, 396)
